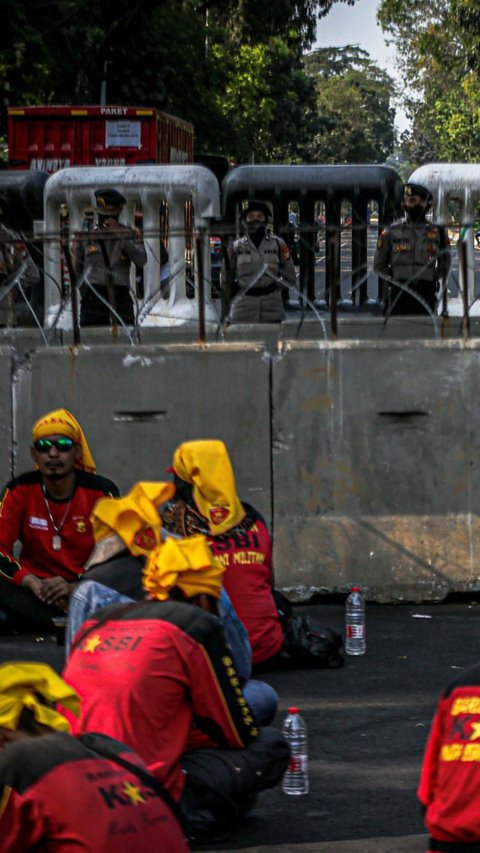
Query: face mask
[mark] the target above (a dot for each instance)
(256, 232)
(416, 213)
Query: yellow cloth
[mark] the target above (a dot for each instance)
(134, 517)
(206, 465)
(186, 563)
(62, 422)
(34, 686)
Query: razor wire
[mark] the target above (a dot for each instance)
(23, 303)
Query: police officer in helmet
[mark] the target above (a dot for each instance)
(413, 255)
(258, 268)
(106, 257)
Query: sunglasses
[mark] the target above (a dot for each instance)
(63, 445)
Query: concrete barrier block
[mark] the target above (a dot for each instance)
(136, 405)
(375, 468)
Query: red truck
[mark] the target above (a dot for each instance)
(51, 138)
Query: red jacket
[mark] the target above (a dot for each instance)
(450, 778)
(247, 557)
(149, 674)
(58, 794)
(246, 553)
(24, 518)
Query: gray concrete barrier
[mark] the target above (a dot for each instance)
(136, 404)
(363, 454)
(375, 468)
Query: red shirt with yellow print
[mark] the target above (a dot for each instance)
(246, 553)
(57, 793)
(450, 778)
(150, 673)
(24, 517)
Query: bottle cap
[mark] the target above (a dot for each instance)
(356, 589)
(294, 710)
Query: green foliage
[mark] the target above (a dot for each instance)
(234, 69)
(439, 47)
(353, 101)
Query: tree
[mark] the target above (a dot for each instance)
(231, 67)
(353, 102)
(439, 50)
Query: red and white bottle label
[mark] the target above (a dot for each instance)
(298, 763)
(355, 632)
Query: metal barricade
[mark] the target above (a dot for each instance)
(459, 182)
(306, 185)
(147, 187)
(23, 193)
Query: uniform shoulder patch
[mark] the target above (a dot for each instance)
(285, 251)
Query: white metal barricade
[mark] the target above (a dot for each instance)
(149, 187)
(459, 182)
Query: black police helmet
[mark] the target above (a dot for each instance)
(254, 204)
(109, 201)
(417, 189)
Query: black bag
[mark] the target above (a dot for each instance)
(221, 785)
(309, 643)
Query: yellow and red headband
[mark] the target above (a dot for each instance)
(62, 422)
(184, 563)
(35, 686)
(207, 467)
(133, 517)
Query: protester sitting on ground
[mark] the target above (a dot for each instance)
(206, 501)
(158, 675)
(449, 788)
(48, 511)
(126, 530)
(59, 792)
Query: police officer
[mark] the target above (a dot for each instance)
(106, 257)
(415, 253)
(259, 267)
(14, 261)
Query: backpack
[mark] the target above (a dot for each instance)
(308, 642)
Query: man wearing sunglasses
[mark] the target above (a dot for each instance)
(48, 511)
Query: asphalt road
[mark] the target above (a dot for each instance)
(367, 724)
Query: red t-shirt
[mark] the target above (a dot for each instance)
(24, 517)
(149, 674)
(247, 557)
(57, 794)
(450, 778)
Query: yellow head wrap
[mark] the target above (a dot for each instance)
(34, 686)
(186, 563)
(206, 465)
(134, 517)
(61, 422)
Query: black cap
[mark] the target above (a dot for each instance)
(417, 189)
(109, 201)
(254, 204)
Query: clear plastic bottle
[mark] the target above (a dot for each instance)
(294, 729)
(355, 637)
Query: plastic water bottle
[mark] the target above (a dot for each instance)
(355, 639)
(294, 729)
